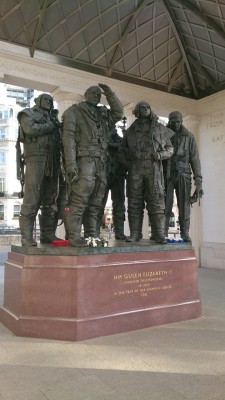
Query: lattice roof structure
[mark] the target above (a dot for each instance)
(176, 46)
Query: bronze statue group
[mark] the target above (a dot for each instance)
(67, 169)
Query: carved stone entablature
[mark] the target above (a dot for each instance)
(23, 71)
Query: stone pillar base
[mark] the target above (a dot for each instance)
(77, 294)
(213, 255)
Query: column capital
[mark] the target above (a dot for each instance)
(65, 99)
(61, 95)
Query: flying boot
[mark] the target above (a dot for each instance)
(26, 228)
(159, 228)
(48, 225)
(73, 223)
(118, 222)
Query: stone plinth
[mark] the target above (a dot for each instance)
(81, 293)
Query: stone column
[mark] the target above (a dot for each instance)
(212, 143)
(191, 122)
(65, 99)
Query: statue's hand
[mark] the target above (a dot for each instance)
(199, 190)
(156, 156)
(50, 126)
(106, 89)
(55, 121)
(71, 174)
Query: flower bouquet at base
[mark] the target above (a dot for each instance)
(174, 240)
(60, 242)
(96, 242)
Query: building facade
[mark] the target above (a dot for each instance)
(9, 185)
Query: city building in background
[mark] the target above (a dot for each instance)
(12, 100)
(23, 96)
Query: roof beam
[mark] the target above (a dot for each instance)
(175, 74)
(209, 21)
(13, 9)
(215, 27)
(182, 46)
(38, 27)
(204, 72)
(134, 17)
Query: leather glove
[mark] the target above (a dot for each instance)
(72, 174)
(56, 122)
(106, 89)
(199, 190)
(156, 156)
(46, 128)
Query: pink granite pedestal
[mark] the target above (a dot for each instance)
(69, 295)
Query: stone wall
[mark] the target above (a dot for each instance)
(7, 240)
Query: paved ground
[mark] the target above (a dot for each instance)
(181, 361)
